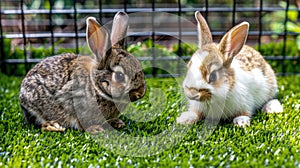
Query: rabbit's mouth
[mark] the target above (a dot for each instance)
(201, 95)
(136, 94)
(107, 94)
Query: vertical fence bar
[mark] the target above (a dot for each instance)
(24, 36)
(2, 61)
(179, 51)
(75, 27)
(100, 11)
(233, 13)
(125, 5)
(154, 68)
(125, 10)
(260, 15)
(51, 26)
(285, 38)
(206, 10)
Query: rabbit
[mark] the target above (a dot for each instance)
(84, 92)
(229, 80)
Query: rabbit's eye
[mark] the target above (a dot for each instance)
(119, 76)
(212, 77)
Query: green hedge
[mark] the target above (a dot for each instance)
(276, 49)
(144, 50)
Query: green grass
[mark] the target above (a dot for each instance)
(151, 138)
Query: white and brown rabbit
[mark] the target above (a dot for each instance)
(229, 80)
(82, 92)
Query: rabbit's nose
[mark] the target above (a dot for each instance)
(198, 94)
(134, 96)
(137, 93)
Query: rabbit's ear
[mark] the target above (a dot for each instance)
(204, 35)
(97, 38)
(233, 41)
(119, 29)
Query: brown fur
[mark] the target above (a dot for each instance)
(205, 95)
(230, 78)
(205, 72)
(212, 59)
(47, 92)
(251, 59)
(76, 91)
(204, 37)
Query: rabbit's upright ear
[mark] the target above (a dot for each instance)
(204, 34)
(119, 29)
(97, 38)
(233, 41)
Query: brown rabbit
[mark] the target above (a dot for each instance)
(82, 92)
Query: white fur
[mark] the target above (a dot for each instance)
(241, 121)
(194, 74)
(188, 117)
(250, 92)
(273, 106)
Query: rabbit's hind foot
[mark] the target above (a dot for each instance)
(52, 126)
(273, 106)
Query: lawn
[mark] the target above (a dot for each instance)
(151, 137)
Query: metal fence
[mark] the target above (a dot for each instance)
(51, 25)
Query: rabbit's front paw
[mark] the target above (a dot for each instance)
(273, 106)
(241, 121)
(117, 123)
(94, 129)
(187, 118)
(52, 126)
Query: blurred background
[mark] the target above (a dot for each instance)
(162, 33)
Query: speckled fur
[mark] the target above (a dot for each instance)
(250, 59)
(68, 89)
